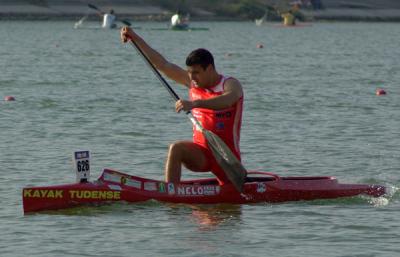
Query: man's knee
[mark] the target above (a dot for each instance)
(176, 148)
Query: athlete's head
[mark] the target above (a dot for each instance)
(200, 66)
(200, 57)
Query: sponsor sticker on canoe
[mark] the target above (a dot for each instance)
(95, 194)
(123, 180)
(200, 190)
(161, 187)
(43, 193)
(115, 187)
(133, 183)
(261, 187)
(112, 177)
(171, 189)
(73, 194)
(150, 186)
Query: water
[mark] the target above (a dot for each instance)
(310, 109)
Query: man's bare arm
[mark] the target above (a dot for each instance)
(171, 70)
(232, 93)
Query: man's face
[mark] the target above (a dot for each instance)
(199, 76)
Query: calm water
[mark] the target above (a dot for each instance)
(310, 109)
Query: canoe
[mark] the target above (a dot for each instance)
(114, 186)
(89, 27)
(189, 29)
(298, 25)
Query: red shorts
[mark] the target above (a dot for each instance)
(213, 166)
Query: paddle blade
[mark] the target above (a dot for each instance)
(232, 167)
(127, 23)
(94, 7)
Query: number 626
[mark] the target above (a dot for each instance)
(83, 165)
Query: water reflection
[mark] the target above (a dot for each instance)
(207, 217)
(212, 216)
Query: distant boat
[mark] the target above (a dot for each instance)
(182, 28)
(179, 23)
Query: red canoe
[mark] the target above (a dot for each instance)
(259, 187)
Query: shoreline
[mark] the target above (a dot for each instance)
(155, 13)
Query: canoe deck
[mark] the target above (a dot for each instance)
(259, 187)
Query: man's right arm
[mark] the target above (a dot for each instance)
(171, 70)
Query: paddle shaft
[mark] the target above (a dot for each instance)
(95, 8)
(155, 71)
(102, 13)
(165, 84)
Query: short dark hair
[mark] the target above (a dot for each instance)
(201, 57)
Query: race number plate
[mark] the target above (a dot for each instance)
(81, 161)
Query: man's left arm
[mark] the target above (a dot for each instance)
(232, 93)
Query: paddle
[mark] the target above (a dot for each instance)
(79, 23)
(127, 23)
(232, 167)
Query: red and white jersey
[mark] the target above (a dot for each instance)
(225, 123)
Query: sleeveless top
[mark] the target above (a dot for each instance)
(225, 123)
(108, 21)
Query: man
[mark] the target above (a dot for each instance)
(215, 101)
(288, 18)
(109, 20)
(177, 22)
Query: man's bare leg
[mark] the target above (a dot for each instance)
(186, 153)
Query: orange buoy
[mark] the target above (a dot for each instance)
(9, 98)
(380, 91)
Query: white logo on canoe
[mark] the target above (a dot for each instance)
(115, 187)
(112, 177)
(198, 190)
(133, 183)
(116, 178)
(171, 189)
(261, 187)
(150, 186)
